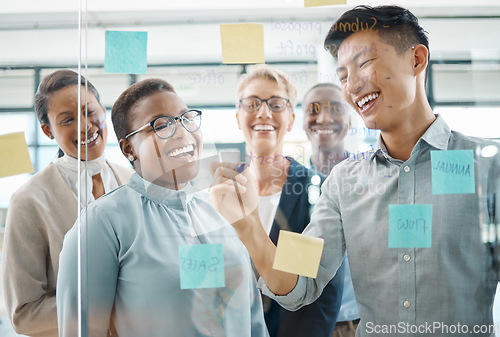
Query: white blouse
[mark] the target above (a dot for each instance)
(68, 167)
(268, 205)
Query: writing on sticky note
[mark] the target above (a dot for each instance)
(242, 43)
(453, 172)
(14, 155)
(201, 266)
(314, 3)
(298, 254)
(126, 52)
(410, 226)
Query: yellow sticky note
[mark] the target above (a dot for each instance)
(14, 155)
(298, 254)
(242, 43)
(314, 3)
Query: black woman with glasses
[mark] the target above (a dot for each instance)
(265, 113)
(161, 261)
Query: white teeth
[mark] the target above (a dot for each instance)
(180, 150)
(323, 129)
(264, 127)
(367, 98)
(91, 139)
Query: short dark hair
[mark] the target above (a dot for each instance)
(395, 25)
(322, 85)
(129, 98)
(53, 82)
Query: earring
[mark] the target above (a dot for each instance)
(131, 158)
(51, 137)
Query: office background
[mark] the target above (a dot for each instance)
(184, 48)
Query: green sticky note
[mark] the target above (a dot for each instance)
(201, 266)
(452, 172)
(126, 52)
(410, 226)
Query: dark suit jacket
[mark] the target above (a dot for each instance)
(293, 214)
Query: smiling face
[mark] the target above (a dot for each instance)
(63, 114)
(264, 131)
(326, 117)
(376, 81)
(170, 162)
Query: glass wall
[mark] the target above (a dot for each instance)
(184, 49)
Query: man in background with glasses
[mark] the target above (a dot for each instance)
(326, 121)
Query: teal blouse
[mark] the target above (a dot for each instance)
(134, 264)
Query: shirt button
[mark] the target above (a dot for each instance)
(407, 169)
(406, 304)
(406, 257)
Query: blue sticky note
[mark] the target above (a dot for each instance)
(126, 52)
(201, 266)
(410, 226)
(452, 172)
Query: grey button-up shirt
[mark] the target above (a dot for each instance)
(439, 291)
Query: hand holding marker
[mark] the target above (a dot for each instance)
(240, 168)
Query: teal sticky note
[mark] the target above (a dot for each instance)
(126, 52)
(452, 172)
(410, 226)
(201, 266)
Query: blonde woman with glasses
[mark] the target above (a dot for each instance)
(265, 114)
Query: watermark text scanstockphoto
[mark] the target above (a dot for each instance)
(438, 328)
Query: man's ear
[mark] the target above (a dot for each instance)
(420, 58)
(47, 130)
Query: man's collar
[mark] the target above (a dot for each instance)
(437, 135)
(379, 149)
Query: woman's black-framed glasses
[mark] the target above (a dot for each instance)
(165, 126)
(275, 104)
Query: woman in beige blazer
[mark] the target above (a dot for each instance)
(45, 207)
